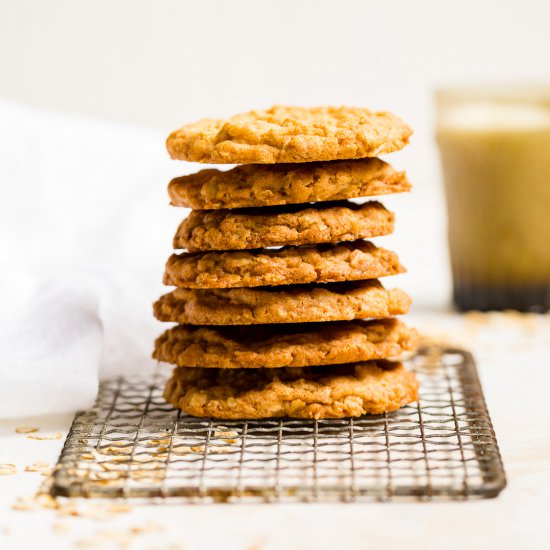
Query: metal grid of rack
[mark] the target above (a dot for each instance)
(132, 444)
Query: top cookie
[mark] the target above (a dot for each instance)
(290, 134)
(277, 184)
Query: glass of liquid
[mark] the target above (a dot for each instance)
(495, 154)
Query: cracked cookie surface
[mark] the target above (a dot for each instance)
(332, 391)
(270, 185)
(275, 346)
(326, 263)
(290, 134)
(250, 228)
(287, 304)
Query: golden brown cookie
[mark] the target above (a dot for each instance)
(270, 185)
(325, 222)
(274, 346)
(290, 134)
(322, 263)
(287, 304)
(332, 391)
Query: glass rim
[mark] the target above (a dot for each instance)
(497, 92)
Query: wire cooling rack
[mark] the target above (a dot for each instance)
(132, 444)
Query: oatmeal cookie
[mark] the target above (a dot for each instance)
(275, 346)
(331, 391)
(324, 263)
(290, 134)
(287, 304)
(248, 228)
(270, 185)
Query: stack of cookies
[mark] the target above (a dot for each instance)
(277, 300)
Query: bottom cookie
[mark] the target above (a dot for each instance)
(331, 391)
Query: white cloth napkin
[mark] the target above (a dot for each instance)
(51, 340)
(85, 230)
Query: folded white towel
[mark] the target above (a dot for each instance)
(51, 340)
(85, 230)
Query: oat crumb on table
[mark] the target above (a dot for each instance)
(8, 469)
(45, 437)
(26, 429)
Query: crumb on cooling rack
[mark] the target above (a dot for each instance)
(229, 436)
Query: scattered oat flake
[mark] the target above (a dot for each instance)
(149, 527)
(109, 482)
(222, 433)
(149, 477)
(119, 508)
(45, 437)
(38, 466)
(228, 436)
(35, 502)
(68, 509)
(124, 459)
(26, 429)
(123, 538)
(185, 449)
(153, 455)
(96, 512)
(47, 501)
(117, 450)
(182, 450)
(157, 442)
(8, 469)
(106, 475)
(213, 450)
(61, 527)
(24, 505)
(86, 543)
(109, 467)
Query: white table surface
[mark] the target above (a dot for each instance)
(513, 361)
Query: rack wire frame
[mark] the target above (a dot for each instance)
(134, 445)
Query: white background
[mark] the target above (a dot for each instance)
(168, 62)
(163, 63)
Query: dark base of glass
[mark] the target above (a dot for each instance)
(535, 299)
